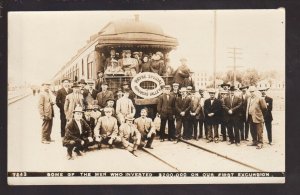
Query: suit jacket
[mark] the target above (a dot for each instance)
(196, 107)
(269, 102)
(106, 127)
(61, 98)
(256, 107)
(45, 105)
(70, 104)
(98, 84)
(180, 74)
(73, 133)
(128, 132)
(166, 107)
(182, 105)
(144, 125)
(103, 96)
(90, 122)
(90, 97)
(216, 108)
(234, 105)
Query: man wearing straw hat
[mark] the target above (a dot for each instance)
(72, 100)
(45, 106)
(78, 134)
(130, 135)
(106, 129)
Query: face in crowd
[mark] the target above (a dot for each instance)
(263, 94)
(104, 87)
(128, 55)
(192, 94)
(66, 84)
(222, 95)
(112, 52)
(244, 91)
(125, 86)
(167, 91)
(77, 116)
(183, 62)
(110, 103)
(100, 74)
(144, 113)
(76, 89)
(212, 95)
(46, 88)
(129, 122)
(91, 85)
(108, 111)
(145, 59)
(231, 93)
(126, 94)
(88, 113)
(82, 85)
(175, 87)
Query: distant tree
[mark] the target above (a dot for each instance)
(250, 77)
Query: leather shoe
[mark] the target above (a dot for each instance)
(229, 143)
(238, 144)
(45, 142)
(252, 144)
(150, 147)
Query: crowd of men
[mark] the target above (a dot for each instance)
(92, 117)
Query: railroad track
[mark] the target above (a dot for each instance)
(218, 155)
(14, 99)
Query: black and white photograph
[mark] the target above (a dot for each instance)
(146, 97)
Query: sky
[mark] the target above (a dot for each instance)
(40, 43)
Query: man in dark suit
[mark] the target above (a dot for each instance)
(90, 94)
(231, 106)
(165, 108)
(60, 102)
(222, 94)
(104, 95)
(78, 134)
(89, 119)
(182, 113)
(212, 110)
(256, 109)
(244, 125)
(175, 91)
(182, 73)
(268, 116)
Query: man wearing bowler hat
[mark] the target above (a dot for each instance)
(212, 110)
(268, 116)
(104, 95)
(45, 107)
(78, 134)
(256, 108)
(231, 106)
(60, 102)
(182, 113)
(195, 112)
(165, 108)
(72, 100)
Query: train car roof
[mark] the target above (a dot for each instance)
(124, 32)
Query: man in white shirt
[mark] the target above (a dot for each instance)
(124, 107)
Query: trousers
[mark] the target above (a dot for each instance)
(46, 129)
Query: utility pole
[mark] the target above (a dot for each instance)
(235, 55)
(215, 46)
